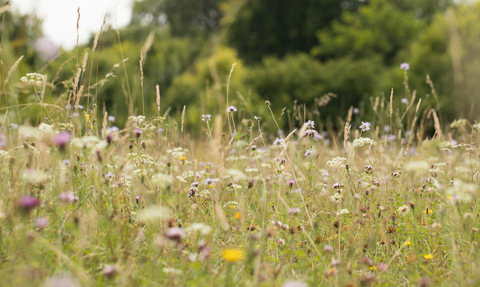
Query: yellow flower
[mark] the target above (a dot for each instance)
(232, 206)
(233, 255)
(449, 197)
(87, 117)
(212, 185)
(428, 256)
(428, 210)
(373, 268)
(183, 158)
(408, 243)
(238, 215)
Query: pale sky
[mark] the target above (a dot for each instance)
(60, 17)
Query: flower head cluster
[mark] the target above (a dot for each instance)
(343, 211)
(33, 78)
(362, 142)
(458, 123)
(337, 162)
(336, 197)
(309, 152)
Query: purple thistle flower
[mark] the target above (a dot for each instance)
(291, 182)
(61, 140)
(137, 132)
(27, 203)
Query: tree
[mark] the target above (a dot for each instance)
(278, 27)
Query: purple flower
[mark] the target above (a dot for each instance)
(109, 271)
(67, 162)
(386, 128)
(231, 109)
(160, 130)
(328, 248)
(175, 233)
(209, 181)
(309, 153)
(383, 267)
(137, 132)
(27, 203)
(67, 196)
(405, 66)
(62, 139)
(294, 211)
(356, 111)
(291, 182)
(113, 129)
(41, 222)
(206, 118)
(111, 119)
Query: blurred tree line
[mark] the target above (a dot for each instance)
(285, 51)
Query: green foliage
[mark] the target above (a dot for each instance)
(279, 27)
(186, 17)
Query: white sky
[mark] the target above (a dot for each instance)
(60, 17)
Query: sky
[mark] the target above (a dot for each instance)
(60, 17)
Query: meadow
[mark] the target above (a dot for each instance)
(389, 200)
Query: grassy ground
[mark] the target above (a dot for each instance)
(85, 204)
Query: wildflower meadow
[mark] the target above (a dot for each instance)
(389, 200)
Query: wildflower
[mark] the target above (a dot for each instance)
(328, 248)
(238, 215)
(365, 126)
(309, 152)
(310, 124)
(137, 132)
(291, 182)
(362, 141)
(428, 211)
(310, 133)
(337, 162)
(109, 271)
(41, 222)
(383, 267)
(206, 117)
(199, 227)
(278, 142)
(336, 197)
(111, 119)
(405, 66)
(356, 111)
(405, 101)
(13, 126)
(386, 128)
(257, 118)
(62, 139)
(28, 203)
(343, 211)
(336, 262)
(294, 211)
(183, 158)
(404, 209)
(408, 243)
(233, 255)
(231, 109)
(67, 196)
(175, 234)
(428, 256)
(209, 181)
